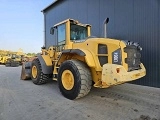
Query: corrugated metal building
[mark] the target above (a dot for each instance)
(134, 20)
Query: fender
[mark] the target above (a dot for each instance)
(46, 64)
(81, 52)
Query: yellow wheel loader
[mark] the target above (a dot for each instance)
(78, 61)
(13, 61)
(3, 59)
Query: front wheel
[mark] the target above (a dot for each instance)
(37, 76)
(74, 79)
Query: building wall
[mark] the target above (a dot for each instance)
(134, 20)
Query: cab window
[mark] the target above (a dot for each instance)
(78, 32)
(61, 34)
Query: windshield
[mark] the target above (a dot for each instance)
(78, 32)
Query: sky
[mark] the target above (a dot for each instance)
(22, 25)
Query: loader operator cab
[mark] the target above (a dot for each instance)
(68, 32)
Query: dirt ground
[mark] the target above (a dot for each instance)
(22, 100)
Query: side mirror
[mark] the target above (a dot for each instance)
(52, 31)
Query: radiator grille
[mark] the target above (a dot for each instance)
(133, 57)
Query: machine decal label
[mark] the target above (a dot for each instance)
(116, 57)
(79, 41)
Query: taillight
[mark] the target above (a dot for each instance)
(118, 70)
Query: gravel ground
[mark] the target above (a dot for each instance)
(22, 100)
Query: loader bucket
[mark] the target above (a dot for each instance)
(26, 70)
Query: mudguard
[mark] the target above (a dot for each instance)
(85, 53)
(46, 64)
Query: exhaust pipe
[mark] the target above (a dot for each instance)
(105, 27)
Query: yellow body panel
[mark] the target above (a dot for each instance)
(116, 74)
(89, 58)
(47, 60)
(3, 59)
(91, 45)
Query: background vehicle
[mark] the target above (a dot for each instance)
(3, 59)
(13, 61)
(78, 60)
(8, 56)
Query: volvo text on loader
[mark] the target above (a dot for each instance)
(79, 61)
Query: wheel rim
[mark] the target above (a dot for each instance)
(34, 71)
(67, 79)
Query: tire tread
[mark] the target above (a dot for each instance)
(43, 77)
(86, 79)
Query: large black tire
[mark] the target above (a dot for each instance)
(7, 64)
(40, 78)
(14, 64)
(82, 79)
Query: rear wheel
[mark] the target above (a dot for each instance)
(7, 64)
(74, 79)
(37, 76)
(14, 64)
